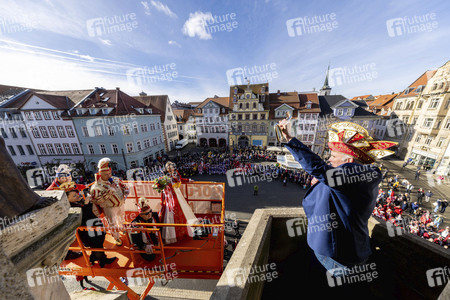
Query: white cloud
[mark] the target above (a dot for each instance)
(174, 43)
(195, 25)
(163, 8)
(105, 42)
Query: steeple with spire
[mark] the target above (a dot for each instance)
(326, 89)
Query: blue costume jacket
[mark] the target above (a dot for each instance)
(338, 207)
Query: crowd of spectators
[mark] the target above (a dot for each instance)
(406, 210)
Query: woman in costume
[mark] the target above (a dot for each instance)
(175, 209)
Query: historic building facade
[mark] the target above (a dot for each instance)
(250, 115)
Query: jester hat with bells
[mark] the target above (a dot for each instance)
(354, 140)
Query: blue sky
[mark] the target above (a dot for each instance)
(68, 44)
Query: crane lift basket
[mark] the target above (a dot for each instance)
(199, 256)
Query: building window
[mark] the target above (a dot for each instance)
(85, 131)
(420, 104)
(29, 115)
(146, 143)
(43, 131)
(434, 103)
(35, 132)
(428, 140)
(30, 150)
(440, 142)
(247, 116)
(50, 149)
(239, 116)
(59, 149)
(91, 149)
(56, 115)
(110, 131)
(70, 132)
(129, 147)
(339, 112)
(102, 148)
(115, 149)
(37, 115)
(52, 131)
(255, 128)
(138, 145)
(98, 130)
(13, 133)
(126, 130)
(349, 112)
(136, 129)
(75, 148)
(263, 128)
(4, 135)
(418, 138)
(447, 125)
(144, 127)
(67, 148)
(46, 115)
(152, 127)
(42, 149)
(427, 122)
(61, 132)
(12, 151)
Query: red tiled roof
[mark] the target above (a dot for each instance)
(422, 80)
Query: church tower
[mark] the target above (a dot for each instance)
(326, 89)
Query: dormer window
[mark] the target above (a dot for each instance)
(92, 111)
(248, 96)
(199, 111)
(79, 111)
(349, 111)
(339, 112)
(105, 111)
(263, 90)
(235, 90)
(140, 110)
(308, 105)
(149, 110)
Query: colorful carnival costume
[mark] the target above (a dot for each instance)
(63, 175)
(109, 196)
(335, 201)
(175, 209)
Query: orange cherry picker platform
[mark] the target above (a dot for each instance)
(199, 257)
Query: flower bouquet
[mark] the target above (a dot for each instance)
(160, 183)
